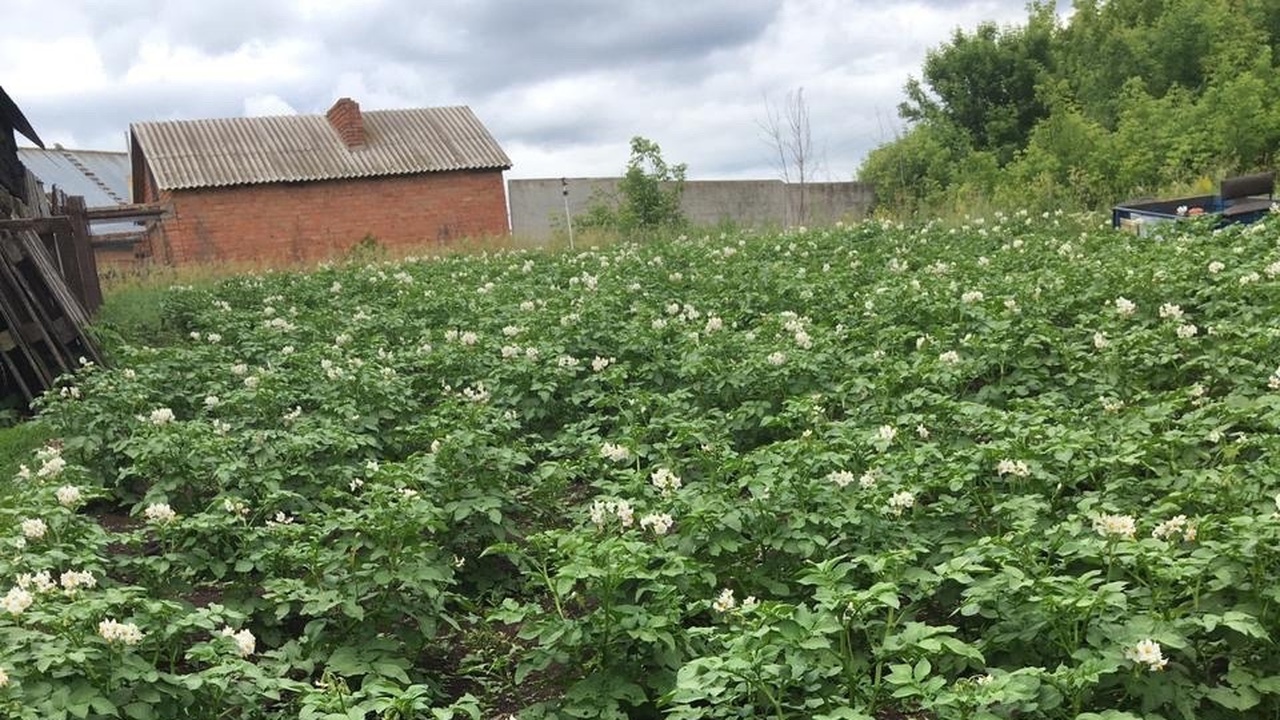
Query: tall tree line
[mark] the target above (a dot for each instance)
(1123, 98)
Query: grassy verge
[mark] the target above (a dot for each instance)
(18, 442)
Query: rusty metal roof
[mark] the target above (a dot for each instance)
(184, 154)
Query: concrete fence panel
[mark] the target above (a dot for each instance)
(538, 205)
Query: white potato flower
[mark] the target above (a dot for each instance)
(659, 523)
(1016, 468)
(665, 480)
(34, 528)
(73, 580)
(1121, 526)
(159, 513)
(842, 478)
(50, 468)
(900, 501)
(118, 632)
(1147, 652)
(615, 453)
(68, 496)
(245, 642)
(16, 601)
(886, 433)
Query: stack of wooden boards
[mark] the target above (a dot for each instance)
(45, 285)
(42, 325)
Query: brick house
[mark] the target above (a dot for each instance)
(309, 187)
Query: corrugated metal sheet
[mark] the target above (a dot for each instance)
(185, 154)
(100, 177)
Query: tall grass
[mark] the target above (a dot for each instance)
(133, 297)
(17, 444)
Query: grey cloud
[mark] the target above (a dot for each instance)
(108, 112)
(486, 45)
(491, 45)
(120, 26)
(692, 75)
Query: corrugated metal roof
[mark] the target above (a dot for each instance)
(185, 154)
(101, 177)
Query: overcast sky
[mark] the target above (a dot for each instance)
(562, 84)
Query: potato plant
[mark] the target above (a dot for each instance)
(1022, 468)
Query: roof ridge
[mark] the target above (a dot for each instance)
(217, 152)
(254, 118)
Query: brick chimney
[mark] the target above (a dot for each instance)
(345, 117)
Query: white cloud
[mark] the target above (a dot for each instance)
(41, 67)
(562, 85)
(255, 63)
(265, 105)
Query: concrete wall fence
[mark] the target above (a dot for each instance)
(537, 205)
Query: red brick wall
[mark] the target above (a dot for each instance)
(300, 222)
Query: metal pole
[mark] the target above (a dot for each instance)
(564, 190)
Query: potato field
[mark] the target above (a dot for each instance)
(1026, 467)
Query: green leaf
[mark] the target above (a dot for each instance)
(102, 706)
(1245, 624)
(1239, 698)
(139, 711)
(347, 661)
(392, 669)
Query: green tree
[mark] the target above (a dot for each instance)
(915, 169)
(1123, 98)
(648, 196)
(651, 189)
(984, 83)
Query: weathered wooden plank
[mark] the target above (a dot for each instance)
(116, 240)
(140, 211)
(65, 304)
(31, 296)
(42, 266)
(42, 225)
(60, 300)
(81, 267)
(31, 367)
(37, 202)
(18, 372)
(42, 293)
